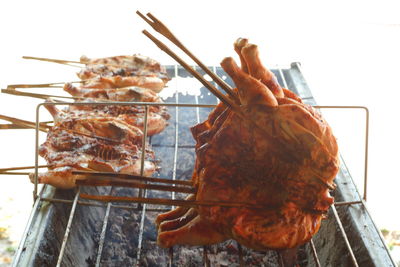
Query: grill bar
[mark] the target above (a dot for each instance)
(314, 252)
(145, 191)
(345, 238)
(103, 235)
(240, 255)
(140, 240)
(170, 256)
(68, 228)
(345, 203)
(175, 160)
(176, 133)
(95, 204)
(206, 261)
(285, 85)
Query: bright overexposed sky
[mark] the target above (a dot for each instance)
(349, 51)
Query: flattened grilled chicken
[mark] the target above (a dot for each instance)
(99, 144)
(123, 71)
(132, 114)
(281, 154)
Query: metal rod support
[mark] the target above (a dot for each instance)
(344, 235)
(68, 228)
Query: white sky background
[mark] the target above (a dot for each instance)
(349, 52)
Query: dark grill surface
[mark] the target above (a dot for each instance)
(70, 231)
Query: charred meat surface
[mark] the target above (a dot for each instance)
(123, 71)
(92, 144)
(277, 152)
(132, 114)
(106, 138)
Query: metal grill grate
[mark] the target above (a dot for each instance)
(176, 149)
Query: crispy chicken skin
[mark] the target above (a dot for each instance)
(280, 153)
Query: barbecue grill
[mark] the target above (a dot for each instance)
(66, 230)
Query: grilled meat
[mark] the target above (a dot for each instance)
(279, 153)
(132, 114)
(123, 71)
(106, 137)
(89, 143)
(154, 83)
(120, 65)
(116, 94)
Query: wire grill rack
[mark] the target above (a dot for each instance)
(349, 229)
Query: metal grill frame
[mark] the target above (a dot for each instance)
(40, 198)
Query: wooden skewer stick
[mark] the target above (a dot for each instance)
(15, 173)
(134, 184)
(23, 168)
(225, 99)
(40, 85)
(59, 61)
(157, 25)
(71, 62)
(28, 124)
(35, 95)
(173, 202)
(134, 177)
(13, 127)
(46, 96)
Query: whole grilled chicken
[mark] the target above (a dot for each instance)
(277, 154)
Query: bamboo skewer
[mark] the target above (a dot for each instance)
(71, 62)
(225, 99)
(35, 95)
(59, 61)
(40, 85)
(15, 173)
(23, 168)
(158, 26)
(8, 171)
(134, 184)
(174, 202)
(13, 127)
(46, 96)
(134, 177)
(25, 124)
